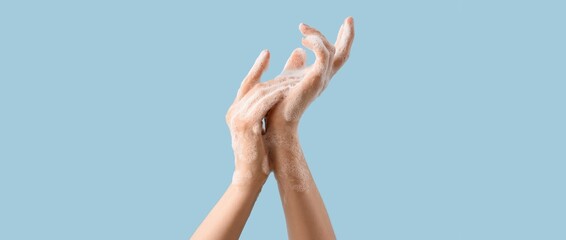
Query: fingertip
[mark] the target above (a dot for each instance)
(349, 20)
(349, 28)
(261, 63)
(301, 56)
(303, 27)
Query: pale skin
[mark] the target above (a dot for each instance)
(259, 149)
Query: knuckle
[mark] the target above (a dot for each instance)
(263, 91)
(228, 116)
(342, 57)
(316, 77)
(239, 123)
(323, 53)
(332, 50)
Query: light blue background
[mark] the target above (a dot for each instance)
(448, 121)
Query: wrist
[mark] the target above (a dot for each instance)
(280, 126)
(294, 175)
(249, 179)
(282, 135)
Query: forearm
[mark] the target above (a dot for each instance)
(304, 208)
(228, 217)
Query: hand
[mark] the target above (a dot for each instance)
(245, 116)
(285, 98)
(312, 79)
(304, 209)
(285, 152)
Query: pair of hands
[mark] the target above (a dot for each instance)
(263, 111)
(263, 122)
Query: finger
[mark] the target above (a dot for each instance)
(339, 36)
(306, 90)
(343, 44)
(264, 89)
(297, 60)
(256, 93)
(313, 78)
(254, 75)
(308, 30)
(253, 111)
(258, 110)
(315, 44)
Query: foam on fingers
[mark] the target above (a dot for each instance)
(343, 44)
(246, 104)
(254, 75)
(315, 44)
(245, 118)
(259, 108)
(308, 30)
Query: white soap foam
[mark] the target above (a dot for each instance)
(252, 108)
(259, 100)
(291, 168)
